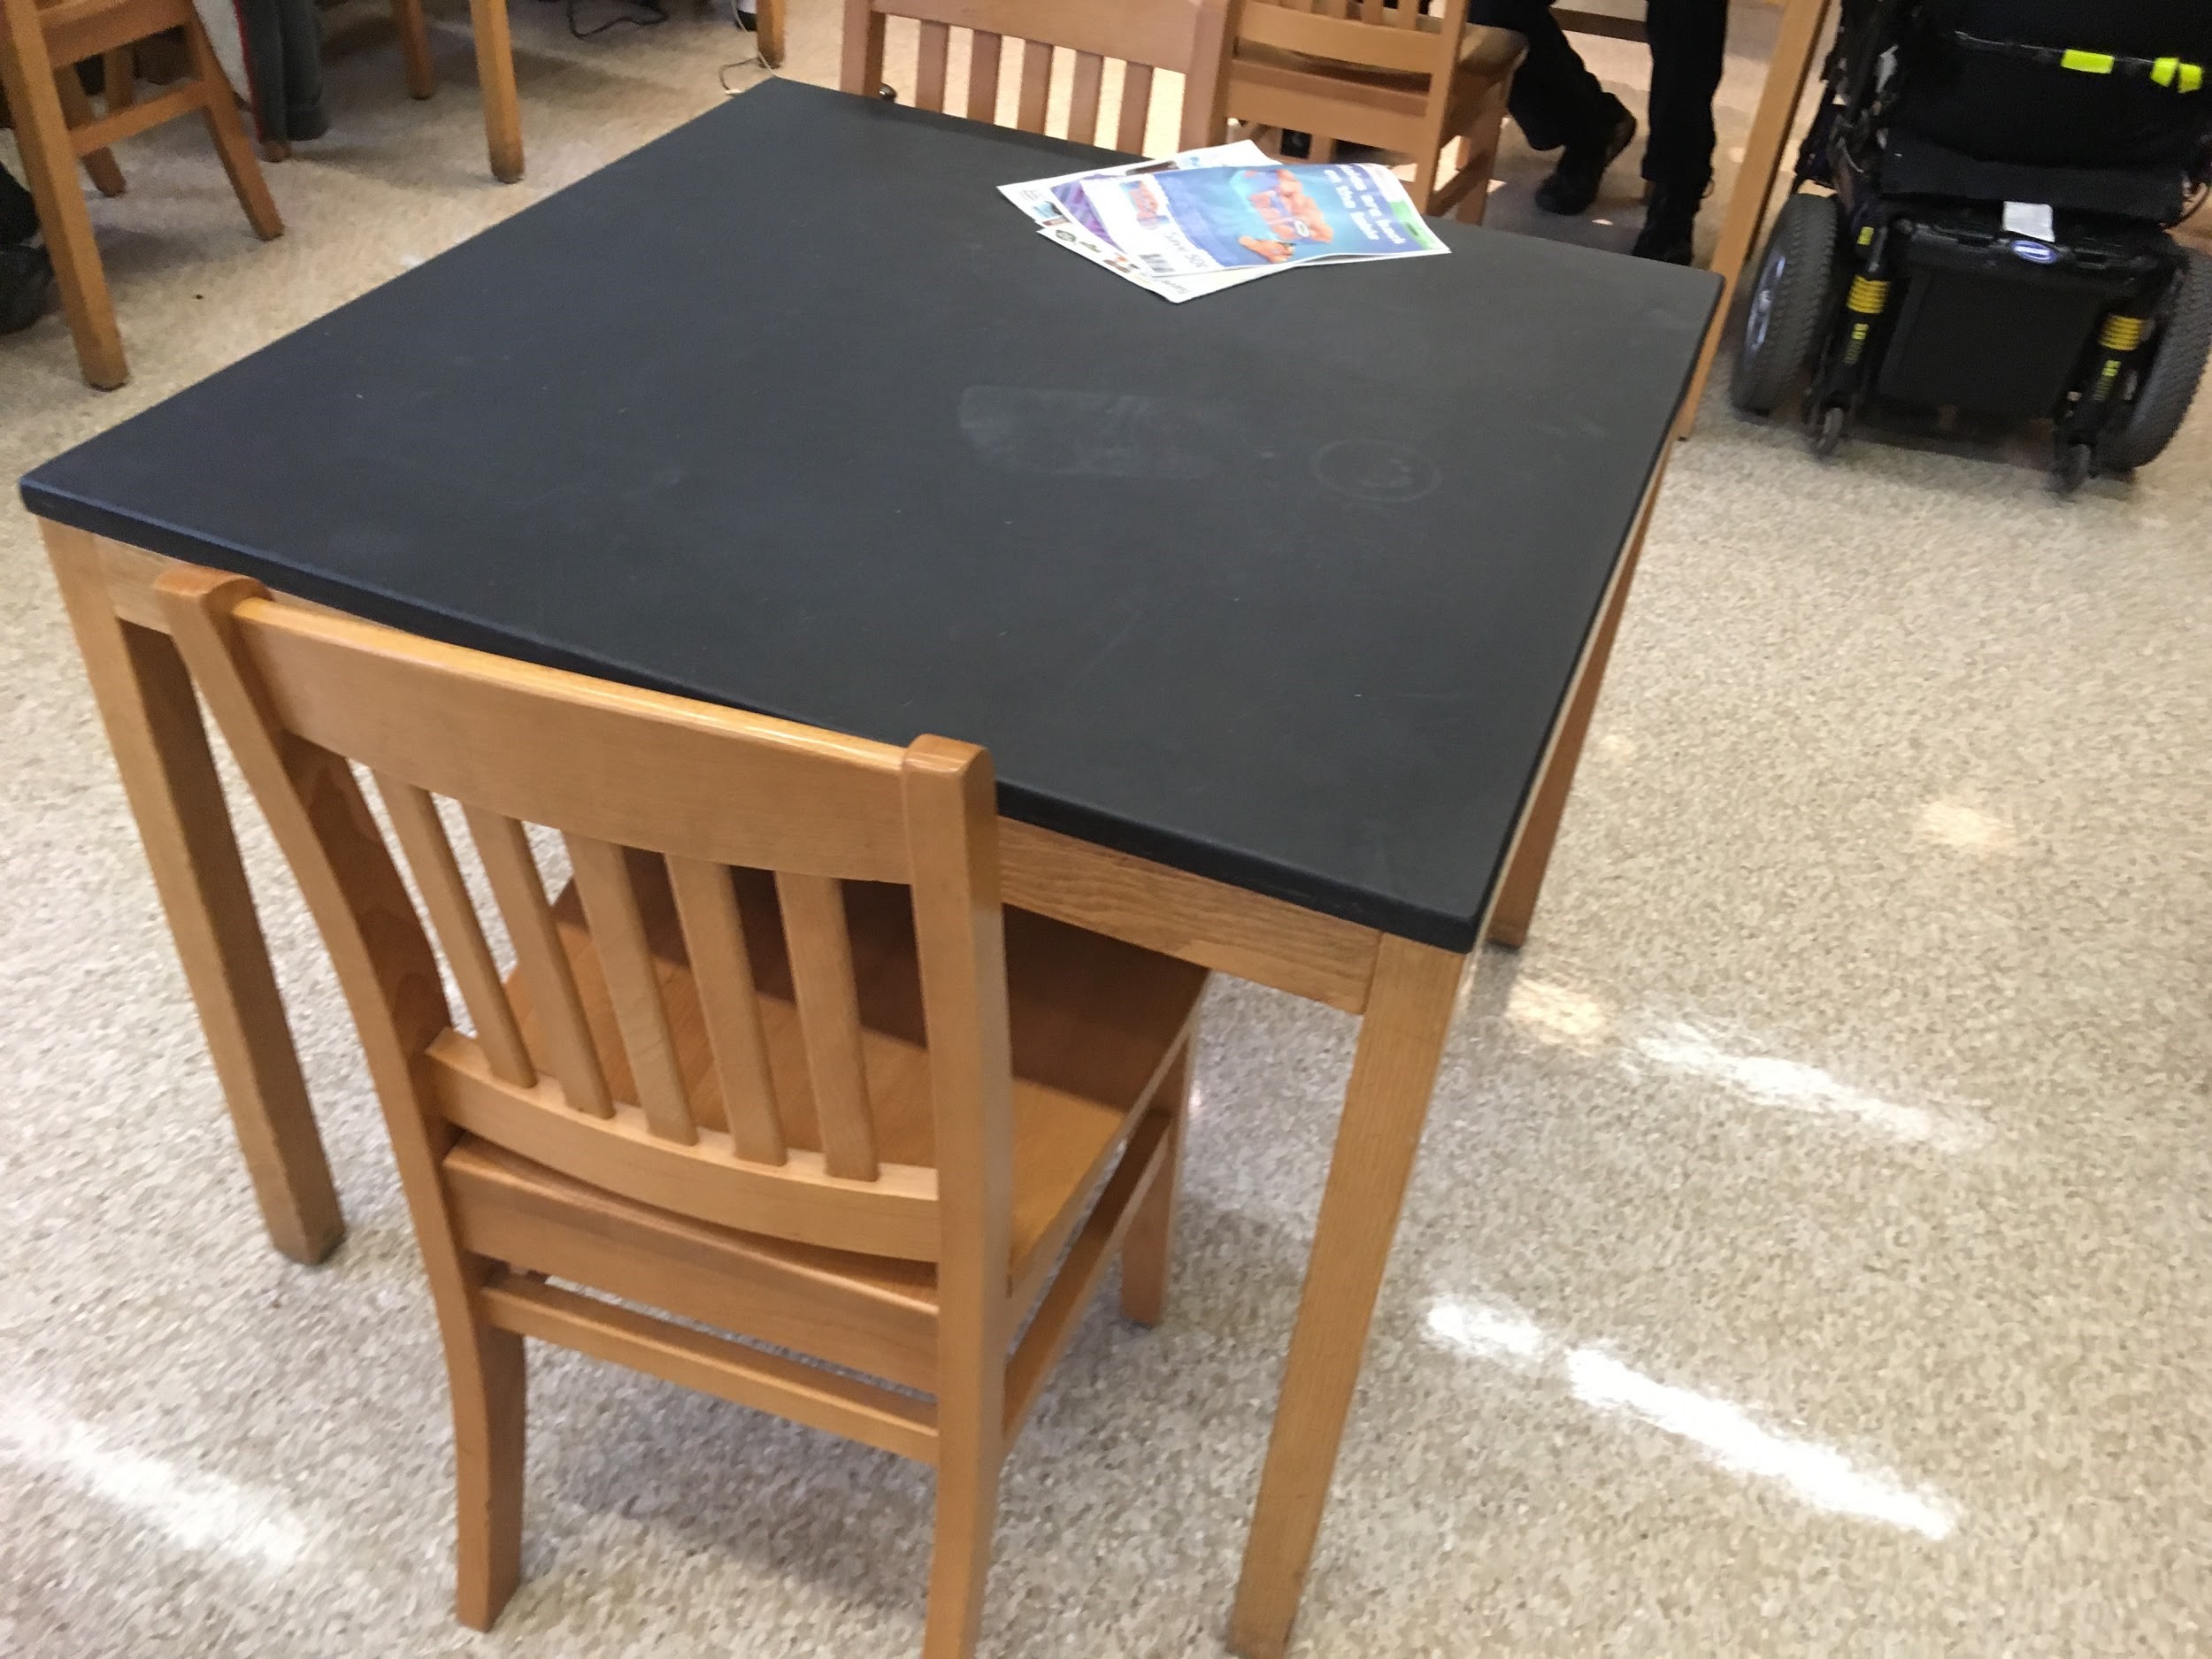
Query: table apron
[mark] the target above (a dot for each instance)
(1268, 940)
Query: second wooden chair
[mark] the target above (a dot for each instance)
(1186, 37)
(1392, 76)
(775, 1062)
(40, 43)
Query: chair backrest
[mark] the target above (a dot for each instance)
(664, 806)
(1399, 39)
(1186, 37)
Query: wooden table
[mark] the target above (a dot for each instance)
(1282, 612)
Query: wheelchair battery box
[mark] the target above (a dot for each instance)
(1997, 323)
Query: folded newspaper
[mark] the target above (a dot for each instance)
(1211, 218)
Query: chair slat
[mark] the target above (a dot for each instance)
(1090, 71)
(1136, 106)
(983, 61)
(617, 933)
(1036, 90)
(1406, 14)
(546, 975)
(829, 1019)
(929, 78)
(714, 936)
(422, 837)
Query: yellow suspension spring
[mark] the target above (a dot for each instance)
(2121, 333)
(1868, 296)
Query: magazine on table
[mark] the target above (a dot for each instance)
(1036, 199)
(1211, 218)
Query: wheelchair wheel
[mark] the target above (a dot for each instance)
(1788, 303)
(2169, 386)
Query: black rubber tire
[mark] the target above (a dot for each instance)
(2071, 470)
(1788, 302)
(2169, 386)
(1824, 436)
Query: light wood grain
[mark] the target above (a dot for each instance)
(767, 1382)
(54, 125)
(414, 48)
(1528, 855)
(1392, 76)
(829, 1014)
(429, 852)
(76, 107)
(1186, 36)
(1269, 942)
(1393, 1070)
(882, 1019)
(558, 1011)
(1147, 1253)
(153, 723)
(729, 1002)
(495, 76)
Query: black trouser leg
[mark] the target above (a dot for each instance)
(1554, 99)
(18, 218)
(1689, 38)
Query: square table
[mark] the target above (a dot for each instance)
(1281, 612)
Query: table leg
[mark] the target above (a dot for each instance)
(1401, 1039)
(1530, 855)
(769, 22)
(1794, 51)
(153, 725)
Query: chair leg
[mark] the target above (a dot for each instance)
(495, 75)
(219, 105)
(76, 108)
(1149, 1247)
(960, 1554)
(414, 48)
(1424, 191)
(118, 72)
(1482, 160)
(49, 166)
(490, 1415)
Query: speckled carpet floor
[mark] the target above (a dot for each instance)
(1811, 1248)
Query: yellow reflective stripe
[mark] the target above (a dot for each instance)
(2164, 71)
(2088, 63)
(2192, 77)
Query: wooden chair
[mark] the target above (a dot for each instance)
(827, 1099)
(494, 74)
(41, 42)
(1184, 36)
(495, 69)
(1389, 75)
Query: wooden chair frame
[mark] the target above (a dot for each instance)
(304, 695)
(494, 46)
(40, 46)
(1392, 76)
(1186, 36)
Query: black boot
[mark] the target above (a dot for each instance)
(1573, 184)
(1670, 225)
(27, 287)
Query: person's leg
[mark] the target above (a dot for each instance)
(1689, 39)
(1554, 98)
(18, 216)
(1559, 104)
(27, 276)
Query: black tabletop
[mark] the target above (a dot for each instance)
(792, 411)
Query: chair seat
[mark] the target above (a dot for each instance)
(1483, 50)
(1093, 1023)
